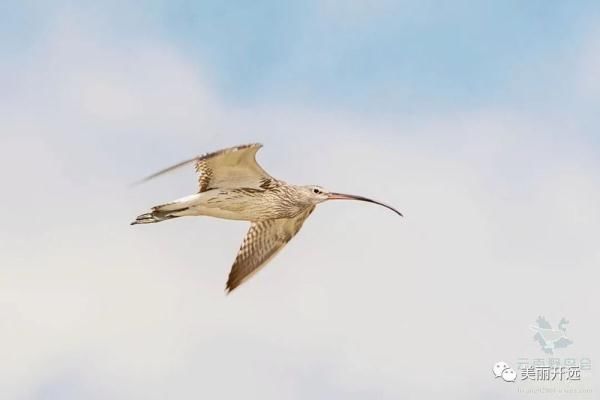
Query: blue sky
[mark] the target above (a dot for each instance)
(478, 120)
(434, 54)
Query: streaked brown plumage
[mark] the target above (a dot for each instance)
(233, 186)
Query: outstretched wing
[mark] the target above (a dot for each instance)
(232, 168)
(235, 167)
(262, 242)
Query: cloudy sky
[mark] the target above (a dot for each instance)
(478, 121)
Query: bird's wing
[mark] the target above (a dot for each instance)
(262, 242)
(234, 167)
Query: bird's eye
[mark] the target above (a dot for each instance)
(316, 191)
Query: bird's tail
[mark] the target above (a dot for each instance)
(151, 217)
(173, 209)
(158, 214)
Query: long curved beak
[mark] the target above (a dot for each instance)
(341, 196)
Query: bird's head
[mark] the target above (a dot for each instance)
(314, 194)
(317, 194)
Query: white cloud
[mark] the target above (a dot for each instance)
(387, 307)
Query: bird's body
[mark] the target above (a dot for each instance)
(233, 186)
(244, 204)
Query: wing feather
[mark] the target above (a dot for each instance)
(231, 168)
(234, 167)
(262, 242)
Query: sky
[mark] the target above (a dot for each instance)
(478, 121)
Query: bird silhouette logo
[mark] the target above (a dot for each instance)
(551, 339)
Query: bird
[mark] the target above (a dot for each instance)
(551, 339)
(232, 185)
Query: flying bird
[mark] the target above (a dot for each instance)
(232, 185)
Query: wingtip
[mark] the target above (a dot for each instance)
(164, 171)
(136, 183)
